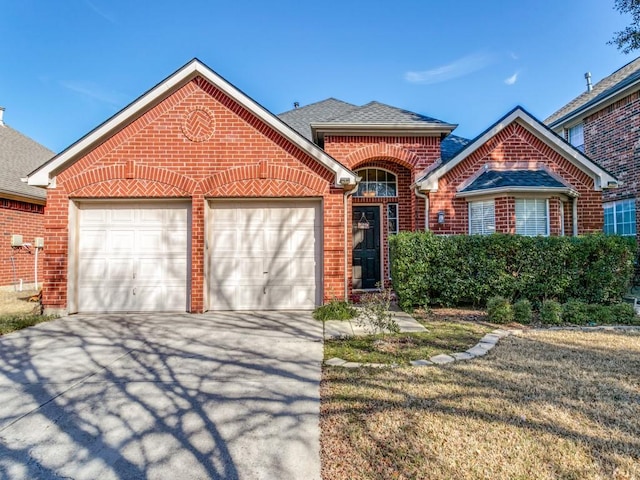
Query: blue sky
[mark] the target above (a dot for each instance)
(69, 65)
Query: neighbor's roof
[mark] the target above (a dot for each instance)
(19, 155)
(603, 90)
(44, 175)
(602, 178)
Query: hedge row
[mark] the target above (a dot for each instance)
(430, 269)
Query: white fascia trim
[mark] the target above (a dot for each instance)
(319, 130)
(578, 114)
(42, 176)
(497, 191)
(601, 177)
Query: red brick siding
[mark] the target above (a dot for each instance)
(612, 138)
(514, 144)
(26, 219)
(153, 158)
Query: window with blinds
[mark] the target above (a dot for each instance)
(532, 216)
(482, 217)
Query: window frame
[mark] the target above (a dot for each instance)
(570, 136)
(365, 182)
(616, 226)
(547, 223)
(483, 203)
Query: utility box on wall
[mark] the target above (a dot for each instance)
(38, 242)
(16, 240)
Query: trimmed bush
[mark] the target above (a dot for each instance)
(335, 310)
(522, 311)
(499, 310)
(430, 269)
(576, 312)
(551, 313)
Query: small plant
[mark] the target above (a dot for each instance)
(335, 310)
(522, 311)
(375, 316)
(499, 310)
(551, 313)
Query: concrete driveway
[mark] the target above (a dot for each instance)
(220, 395)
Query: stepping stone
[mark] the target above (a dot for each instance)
(335, 362)
(501, 333)
(477, 351)
(420, 363)
(351, 365)
(462, 356)
(442, 359)
(490, 338)
(376, 365)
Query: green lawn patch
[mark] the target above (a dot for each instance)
(401, 348)
(11, 323)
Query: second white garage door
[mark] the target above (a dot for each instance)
(264, 255)
(132, 257)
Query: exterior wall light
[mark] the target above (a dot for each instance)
(441, 217)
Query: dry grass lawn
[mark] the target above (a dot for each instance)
(541, 405)
(17, 303)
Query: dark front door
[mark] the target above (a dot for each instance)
(366, 247)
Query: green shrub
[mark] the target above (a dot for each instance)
(499, 310)
(335, 310)
(551, 313)
(430, 269)
(624, 314)
(522, 311)
(576, 312)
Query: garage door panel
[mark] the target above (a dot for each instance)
(260, 251)
(132, 257)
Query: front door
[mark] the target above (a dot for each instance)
(366, 247)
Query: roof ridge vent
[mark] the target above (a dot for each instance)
(1, 116)
(587, 77)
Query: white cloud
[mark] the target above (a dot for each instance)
(108, 17)
(458, 68)
(512, 79)
(95, 92)
(514, 56)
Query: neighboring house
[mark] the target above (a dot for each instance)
(194, 197)
(21, 208)
(604, 123)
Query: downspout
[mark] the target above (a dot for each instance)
(426, 207)
(345, 204)
(574, 216)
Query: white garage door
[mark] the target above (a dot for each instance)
(132, 258)
(264, 255)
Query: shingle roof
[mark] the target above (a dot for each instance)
(300, 119)
(450, 146)
(601, 90)
(376, 113)
(20, 155)
(513, 178)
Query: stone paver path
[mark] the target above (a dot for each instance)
(349, 328)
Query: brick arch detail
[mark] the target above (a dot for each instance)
(382, 151)
(125, 172)
(263, 172)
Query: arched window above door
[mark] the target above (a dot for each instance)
(376, 183)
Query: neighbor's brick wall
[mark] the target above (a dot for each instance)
(612, 138)
(26, 219)
(153, 158)
(515, 144)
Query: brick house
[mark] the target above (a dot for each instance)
(21, 208)
(194, 197)
(604, 123)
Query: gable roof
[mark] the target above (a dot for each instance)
(450, 146)
(615, 84)
(19, 155)
(45, 175)
(602, 178)
(494, 181)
